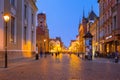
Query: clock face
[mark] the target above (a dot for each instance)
(41, 19)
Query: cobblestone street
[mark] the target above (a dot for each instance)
(62, 67)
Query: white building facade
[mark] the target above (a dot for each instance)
(21, 31)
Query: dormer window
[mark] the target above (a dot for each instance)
(91, 21)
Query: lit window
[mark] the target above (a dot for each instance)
(32, 18)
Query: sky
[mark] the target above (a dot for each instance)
(64, 16)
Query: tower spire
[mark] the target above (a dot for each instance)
(83, 14)
(79, 20)
(91, 7)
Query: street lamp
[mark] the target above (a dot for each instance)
(44, 46)
(6, 19)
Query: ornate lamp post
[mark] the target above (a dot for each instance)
(6, 19)
(88, 44)
(44, 45)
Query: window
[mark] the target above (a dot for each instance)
(32, 18)
(105, 30)
(103, 7)
(109, 31)
(110, 12)
(25, 34)
(114, 19)
(25, 11)
(110, 28)
(32, 37)
(116, 1)
(12, 2)
(12, 28)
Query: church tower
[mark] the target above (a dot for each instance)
(42, 33)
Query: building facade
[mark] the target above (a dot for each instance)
(93, 29)
(95, 33)
(21, 29)
(56, 45)
(74, 46)
(42, 34)
(109, 25)
(82, 31)
(89, 24)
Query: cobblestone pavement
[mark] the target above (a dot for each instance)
(62, 67)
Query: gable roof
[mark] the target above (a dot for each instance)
(92, 15)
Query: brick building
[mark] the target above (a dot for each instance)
(109, 25)
(42, 33)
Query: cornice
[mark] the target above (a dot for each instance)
(33, 4)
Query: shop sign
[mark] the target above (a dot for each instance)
(109, 37)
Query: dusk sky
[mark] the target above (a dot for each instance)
(63, 16)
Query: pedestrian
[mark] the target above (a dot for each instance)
(41, 53)
(87, 52)
(89, 56)
(116, 57)
(36, 56)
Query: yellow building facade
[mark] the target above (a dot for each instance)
(21, 28)
(81, 39)
(55, 45)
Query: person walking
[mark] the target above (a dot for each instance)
(36, 56)
(116, 57)
(87, 52)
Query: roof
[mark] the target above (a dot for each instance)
(56, 39)
(92, 16)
